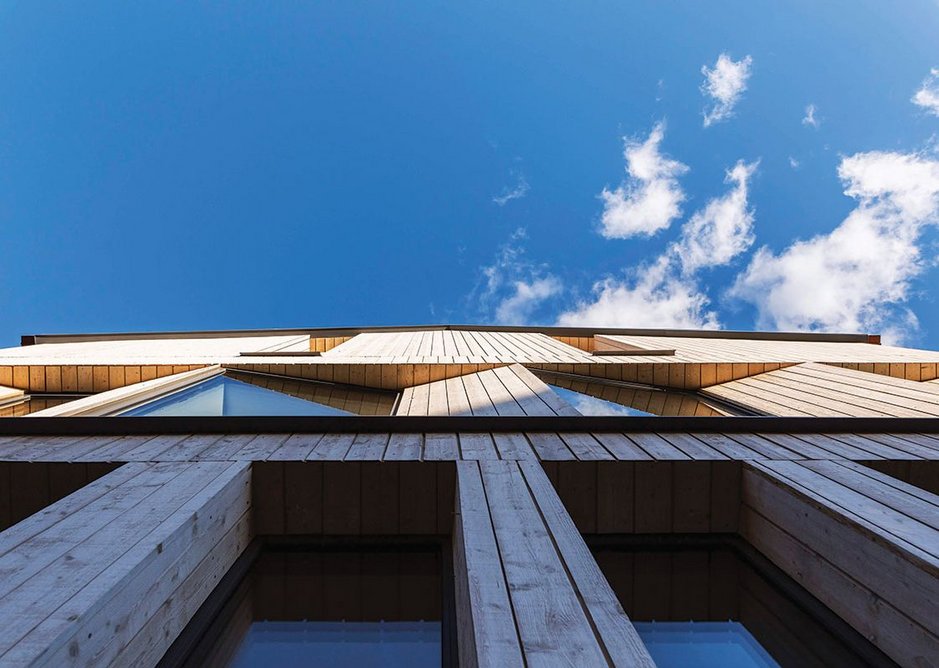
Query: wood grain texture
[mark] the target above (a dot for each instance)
(848, 536)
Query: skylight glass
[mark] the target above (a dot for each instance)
(222, 395)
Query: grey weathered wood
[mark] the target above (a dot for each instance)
(486, 630)
(60, 601)
(620, 640)
(796, 515)
(551, 621)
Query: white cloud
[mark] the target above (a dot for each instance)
(725, 84)
(723, 229)
(809, 118)
(514, 288)
(665, 293)
(650, 198)
(927, 96)
(858, 276)
(653, 296)
(518, 307)
(795, 164)
(519, 190)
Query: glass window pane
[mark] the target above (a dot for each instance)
(226, 396)
(350, 608)
(590, 405)
(593, 397)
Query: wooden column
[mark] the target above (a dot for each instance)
(528, 589)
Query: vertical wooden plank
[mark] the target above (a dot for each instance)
(342, 509)
(20, 378)
(653, 507)
(691, 500)
(577, 488)
(486, 624)
(65, 478)
(99, 378)
(70, 378)
(446, 492)
(380, 498)
(267, 497)
(725, 496)
(418, 498)
(615, 497)
(37, 379)
(53, 379)
(115, 376)
(6, 509)
(303, 497)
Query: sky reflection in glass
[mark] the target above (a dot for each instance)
(225, 396)
(588, 405)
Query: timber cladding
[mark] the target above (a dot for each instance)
(85, 378)
(653, 497)
(27, 488)
(353, 498)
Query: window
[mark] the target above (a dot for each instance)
(593, 396)
(35, 402)
(240, 393)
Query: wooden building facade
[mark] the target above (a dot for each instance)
(520, 449)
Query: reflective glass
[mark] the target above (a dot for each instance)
(34, 404)
(703, 645)
(225, 396)
(715, 607)
(590, 405)
(360, 644)
(335, 609)
(595, 397)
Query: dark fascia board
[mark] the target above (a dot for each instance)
(92, 426)
(32, 339)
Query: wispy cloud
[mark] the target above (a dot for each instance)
(651, 197)
(795, 164)
(858, 276)
(810, 118)
(724, 84)
(526, 295)
(723, 229)
(519, 190)
(666, 292)
(927, 96)
(650, 296)
(513, 288)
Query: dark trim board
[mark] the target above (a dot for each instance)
(32, 339)
(91, 426)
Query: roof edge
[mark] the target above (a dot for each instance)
(33, 339)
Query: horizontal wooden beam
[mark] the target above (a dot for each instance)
(90, 426)
(863, 544)
(111, 574)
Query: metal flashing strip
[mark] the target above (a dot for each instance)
(90, 426)
(280, 353)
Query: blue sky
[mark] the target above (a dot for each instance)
(195, 165)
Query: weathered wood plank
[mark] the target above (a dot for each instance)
(614, 631)
(486, 626)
